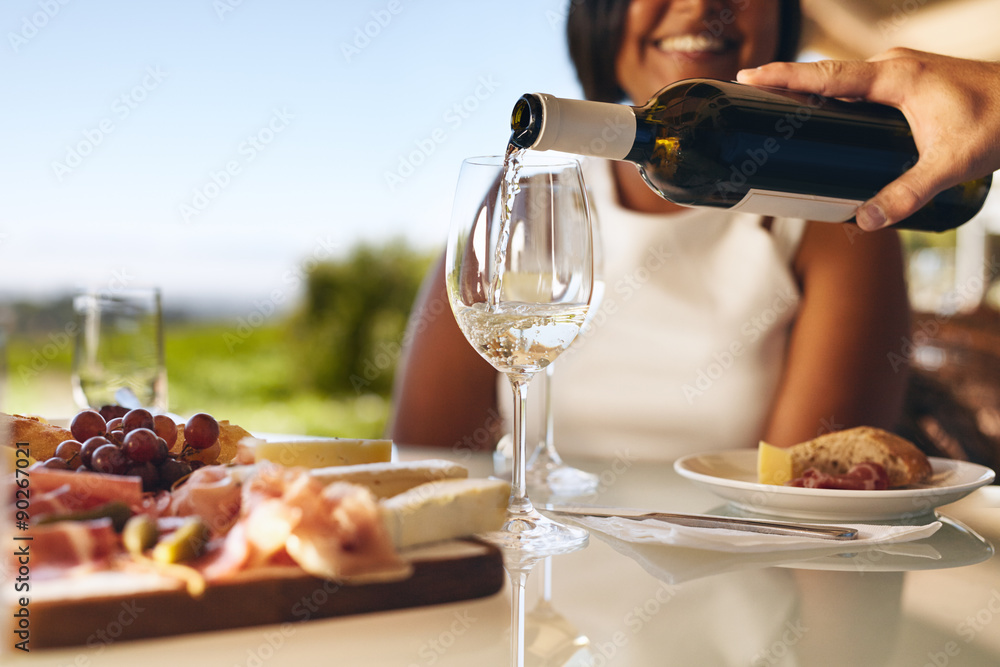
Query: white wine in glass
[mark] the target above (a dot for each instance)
(519, 274)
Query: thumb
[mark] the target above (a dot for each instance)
(901, 198)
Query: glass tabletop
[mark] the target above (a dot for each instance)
(936, 602)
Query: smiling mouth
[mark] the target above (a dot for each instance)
(693, 44)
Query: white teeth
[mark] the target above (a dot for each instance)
(692, 43)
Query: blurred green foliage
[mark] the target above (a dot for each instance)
(351, 325)
(326, 368)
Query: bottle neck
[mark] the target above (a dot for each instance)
(542, 122)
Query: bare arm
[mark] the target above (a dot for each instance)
(951, 104)
(445, 393)
(845, 364)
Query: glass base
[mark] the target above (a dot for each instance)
(547, 476)
(532, 535)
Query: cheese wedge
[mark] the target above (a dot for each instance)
(389, 479)
(445, 509)
(774, 464)
(320, 453)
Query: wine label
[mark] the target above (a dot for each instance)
(789, 205)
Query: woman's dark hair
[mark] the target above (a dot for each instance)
(595, 29)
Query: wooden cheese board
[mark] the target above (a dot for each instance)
(444, 572)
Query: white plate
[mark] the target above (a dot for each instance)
(732, 475)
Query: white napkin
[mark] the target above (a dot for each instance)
(653, 531)
(676, 554)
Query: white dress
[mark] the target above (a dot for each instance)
(686, 350)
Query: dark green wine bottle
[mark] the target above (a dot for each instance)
(702, 142)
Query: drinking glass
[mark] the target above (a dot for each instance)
(118, 351)
(519, 273)
(547, 473)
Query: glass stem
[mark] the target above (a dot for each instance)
(518, 578)
(519, 503)
(550, 438)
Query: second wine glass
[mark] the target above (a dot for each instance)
(519, 274)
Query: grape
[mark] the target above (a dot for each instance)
(115, 424)
(162, 452)
(56, 463)
(87, 424)
(201, 431)
(111, 411)
(89, 447)
(138, 418)
(140, 445)
(109, 459)
(116, 437)
(148, 473)
(166, 429)
(171, 471)
(68, 449)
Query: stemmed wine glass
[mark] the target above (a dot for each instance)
(519, 274)
(547, 473)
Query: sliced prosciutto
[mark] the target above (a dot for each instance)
(862, 477)
(63, 491)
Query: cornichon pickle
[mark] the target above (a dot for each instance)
(115, 510)
(140, 533)
(183, 544)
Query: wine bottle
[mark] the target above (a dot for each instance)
(702, 142)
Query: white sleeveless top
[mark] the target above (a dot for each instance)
(686, 350)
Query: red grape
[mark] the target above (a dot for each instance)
(162, 451)
(166, 428)
(138, 418)
(173, 470)
(87, 424)
(89, 447)
(140, 445)
(56, 463)
(109, 459)
(111, 411)
(67, 449)
(201, 431)
(147, 472)
(115, 424)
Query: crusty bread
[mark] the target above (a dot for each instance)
(836, 453)
(42, 437)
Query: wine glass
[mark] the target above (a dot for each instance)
(519, 274)
(118, 349)
(547, 474)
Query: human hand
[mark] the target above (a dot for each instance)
(951, 104)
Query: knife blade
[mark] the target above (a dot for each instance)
(710, 521)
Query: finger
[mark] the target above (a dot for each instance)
(901, 198)
(831, 78)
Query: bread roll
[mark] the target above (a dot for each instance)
(836, 453)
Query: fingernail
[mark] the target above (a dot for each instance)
(871, 217)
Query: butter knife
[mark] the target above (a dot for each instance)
(709, 521)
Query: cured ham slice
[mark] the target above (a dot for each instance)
(211, 493)
(61, 491)
(69, 544)
(861, 477)
(334, 532)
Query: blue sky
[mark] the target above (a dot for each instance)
(217, 147)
